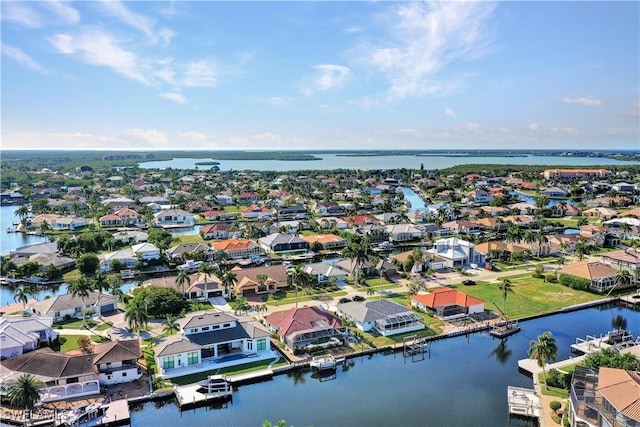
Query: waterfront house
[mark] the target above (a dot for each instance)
(64, 306)
(328, 241)
(235, 248)
(65, 376)
(256, 280)
(627, 259)
(69, 223)
(125, 217)
(259, 213)
(461, 226)
(246, 198)
(19, 335)
(35, 248)
(604, 396)
(173, 218)
(457, 252)
(117, 361)
(220, 230)
(186, 251)
(43, 260)
(118, 203)
(299, 328)
(281, 243)
(597, 276)
(124, 256)
(382, 316)
(208, 339)
(448, 304)
(224, 199)
(131, 236)
(555, 193)
(146, 251)
(404, 232)
(291, 211)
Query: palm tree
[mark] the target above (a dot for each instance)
(582, 249)
(358, 255)
(622, 279)
(542, 350)
(505, 287)
(21, 294)
(513, 235)
(299, 277)
(22, 212)
(136, 315)
(207, 269)
(183, 276)
(100, 284)
(541, 239)
(229, 280)
(80, 288)
(25, 392)
(170, 324)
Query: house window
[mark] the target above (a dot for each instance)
(193, 331)
(249, 345)
(215, 327)
(205, 328)
(124, 374)
(262, 344)
(168, 362)
(226, 325)
(192, 358)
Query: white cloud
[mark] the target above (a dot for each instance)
(97, 47)
(151, 136)
(21, 14)
(192, 135)
(137, 21)
(22, 58)
(198, 74)
(68, 14)
(534, 127)
(176, 97)
(587, 101)
(426, 38)
(328, 77)
(449, 112)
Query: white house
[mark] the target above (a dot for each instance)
(20, 335)
(146, 251)
(404, 232)
(60, 306)
(173, 218)
(212, 340)
(457, 252)
(117, 361)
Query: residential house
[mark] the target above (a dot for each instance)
(600, 276)
(281, 243)
(117, 361)
(382, 316)
(185, 252)
(257, 280)
(118, 203)
(235, 248)
(498, 250)
(65, 376)
(461, 226)
(124, 256)
(623, 260)
(448, 304)
(68, 223)
(479, 197)
(220, 230)
(376, 233)
(404, 232)
(623, 187)
(203, 287)
(173, 218)
(555, 193)
(247, 198)
(19, 335)
(214, 215)
(492, 224)
(224, 199)
(146, 251)
(604, 397)
(600, 213)
(291, 211)
(131, 236)
(212, 339)
(306, 326)
(44, 260)
(259, 213)
(329, 208)
(324, 272)
(457, 252)
(332, 222)
(64, 306)
(523, 208)
(328, 241)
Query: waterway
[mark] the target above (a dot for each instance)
(334, 161)
(463, 383)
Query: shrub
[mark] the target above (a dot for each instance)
(552, 278)
(555, 405)
(556, 418)
(566, 422)
(574, 282)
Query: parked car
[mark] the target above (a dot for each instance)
(359, 298)
(344, 299)
(468, 282)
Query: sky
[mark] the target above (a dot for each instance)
(221, 75)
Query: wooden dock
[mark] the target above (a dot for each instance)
(193, 395)
(590, 344)
(631, 300)
(115, 413)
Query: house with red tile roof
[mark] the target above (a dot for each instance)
(238, 248)
(301, 327)
(448, 303)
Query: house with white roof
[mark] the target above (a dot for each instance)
(20, 335)
(173, 218)
(383, 316)
(456, 252)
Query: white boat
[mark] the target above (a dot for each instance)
(323, 362)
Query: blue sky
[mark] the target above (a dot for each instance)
(320, 75)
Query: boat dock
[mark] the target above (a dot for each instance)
(194, 394)
(590, 344)
(115, 413)
(631, 300)
(523, 402)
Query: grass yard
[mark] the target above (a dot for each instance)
(72, 275)
(191, 238)
(231, 370)
(281, 297)
(530, 296)
(70, 342)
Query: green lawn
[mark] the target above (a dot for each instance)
(70, 342)
(280, 297)
(192, 238)
(231, 370)
(529, 297)
(76, 324)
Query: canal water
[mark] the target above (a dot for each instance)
(462, 383)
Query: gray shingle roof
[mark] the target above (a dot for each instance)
(371, 311)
